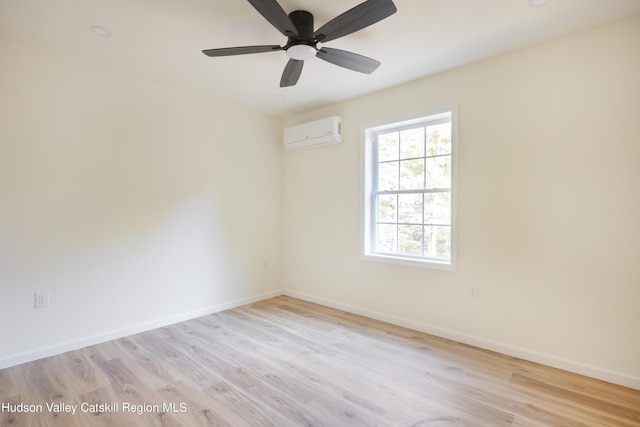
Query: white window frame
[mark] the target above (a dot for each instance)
(368, 175)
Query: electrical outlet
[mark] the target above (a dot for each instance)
(473, 292)
(41, 299)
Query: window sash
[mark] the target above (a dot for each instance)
(397, 223)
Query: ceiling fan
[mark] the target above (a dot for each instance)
(303, 41)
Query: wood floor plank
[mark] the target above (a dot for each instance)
(285, 362)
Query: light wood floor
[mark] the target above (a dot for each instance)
(284, 362)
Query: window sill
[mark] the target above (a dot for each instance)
(408, 262)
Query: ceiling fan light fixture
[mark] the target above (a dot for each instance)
(301, 52)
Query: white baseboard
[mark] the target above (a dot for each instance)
(544, 359)
(130, 330)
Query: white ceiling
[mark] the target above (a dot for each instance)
(163, 40)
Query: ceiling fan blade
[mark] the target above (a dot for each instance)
(291, 73)
(361, 16)
(243, 50)
(349, 60)
(273, 12)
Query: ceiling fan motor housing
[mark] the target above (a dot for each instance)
(303, 21)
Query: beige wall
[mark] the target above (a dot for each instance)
(548, 207)
(129, 201)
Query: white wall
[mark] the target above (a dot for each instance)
(131, 202)
(549, 207)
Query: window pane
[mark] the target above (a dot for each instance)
(412, 143)
(439, 172)
(387, 208)
(439, 139)
(437, 208)
(386, 238)
(388, 146)
(410, 239)
(437, 242)
(412, 174)
(410, 208)
(388, 176)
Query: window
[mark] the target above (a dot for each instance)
(409, 188)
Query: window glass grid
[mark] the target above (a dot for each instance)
(410, 233)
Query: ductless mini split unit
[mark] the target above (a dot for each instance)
(318, 133)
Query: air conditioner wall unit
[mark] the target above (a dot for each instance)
(318, 133)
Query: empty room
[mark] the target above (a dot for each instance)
(343, 213)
